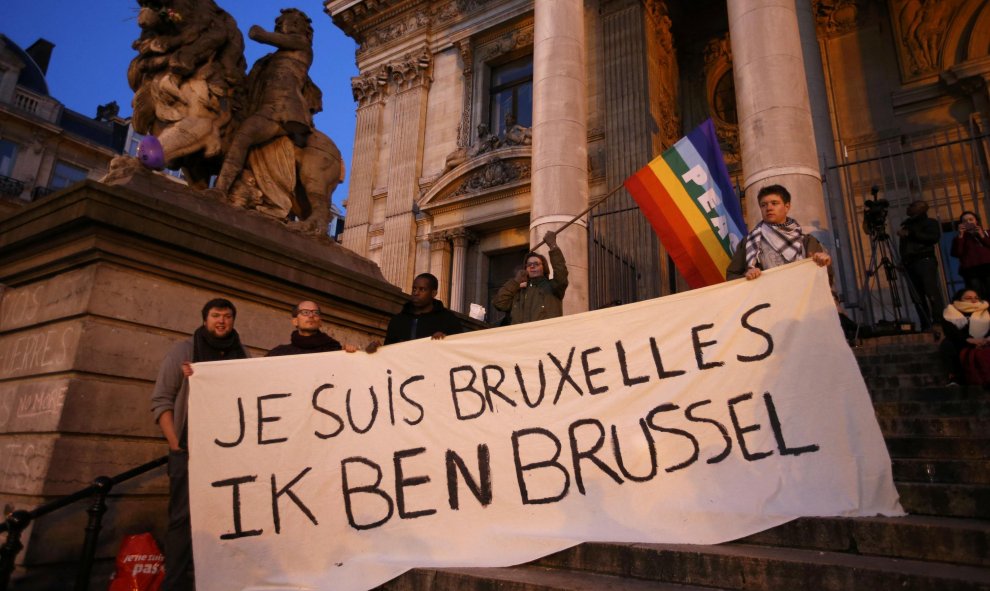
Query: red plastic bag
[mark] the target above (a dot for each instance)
(140, 565)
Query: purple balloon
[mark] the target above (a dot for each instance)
(150, 153)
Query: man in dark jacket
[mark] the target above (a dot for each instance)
(307, 336)
(423, 315)
(216, 339)
(919, 234)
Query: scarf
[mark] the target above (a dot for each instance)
(315, 341)
(785, 239)
(978, 318)
(207, 347)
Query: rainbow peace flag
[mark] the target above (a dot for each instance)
(688, 198)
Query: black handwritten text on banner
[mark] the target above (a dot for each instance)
(697, 418)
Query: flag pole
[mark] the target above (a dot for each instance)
(593, 205)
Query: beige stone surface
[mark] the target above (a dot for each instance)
(100, 283)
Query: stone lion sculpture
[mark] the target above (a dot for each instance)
(256, 132)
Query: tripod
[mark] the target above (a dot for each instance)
(882, 258)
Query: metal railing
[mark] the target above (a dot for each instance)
(948, 169)
(18, 521)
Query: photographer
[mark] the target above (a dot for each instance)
(919, 234)
(972, 247)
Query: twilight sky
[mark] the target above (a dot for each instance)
(93, 48)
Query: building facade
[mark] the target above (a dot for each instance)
(45, 146)
(481, 124)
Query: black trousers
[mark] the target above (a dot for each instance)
(179, 573)
(927, 293)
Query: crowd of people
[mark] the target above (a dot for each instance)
(536, 292)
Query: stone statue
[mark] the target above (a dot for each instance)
(276, 139)
(486, 142)
(515, 134)
(255, 133)
(186, 79)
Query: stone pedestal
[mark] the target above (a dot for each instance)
(98, 283)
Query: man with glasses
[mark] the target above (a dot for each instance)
(532, 295)
(307, 336)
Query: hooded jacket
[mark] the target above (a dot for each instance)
(542, 297)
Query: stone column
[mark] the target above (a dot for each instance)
(369, 92)
(411, 80)
(440, 263)
(560, 146)
(462, 239)
(775, 121)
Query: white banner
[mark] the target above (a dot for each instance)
(698, 418)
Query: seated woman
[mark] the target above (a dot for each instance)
(972, 247)
(966, 348)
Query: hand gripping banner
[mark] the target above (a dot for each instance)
(697, 418)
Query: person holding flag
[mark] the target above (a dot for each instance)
(776, 240)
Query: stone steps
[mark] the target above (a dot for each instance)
(939, 448)
(913, 537)
(524, 578)
(963, 427)
(942, 471)
(750, 566)
(953, 500)
(929, 393)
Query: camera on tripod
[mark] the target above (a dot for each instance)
(875, 215)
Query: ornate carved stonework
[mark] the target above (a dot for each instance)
(660, 15)
(404, 26)
(836, 17)
(670, 125)
(412, 70)
(718, 65)
(467, 62)
(494, 173)
(510, 41)
(370, 86)
(439, 240)
(718, 52)
(921, 27)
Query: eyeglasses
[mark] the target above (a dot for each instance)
(309, 313)
(534, 264)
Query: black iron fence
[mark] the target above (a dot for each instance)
(17, 521)
(947, 169)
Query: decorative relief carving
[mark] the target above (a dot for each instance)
(401, 27)
(467, 61)
(718, 52)
(412, 70)
(720, 95)
(670, 125)
(439, 240)
(508, 42)
(921, 27)
(836, 17)
(657, 11)
(370, 86)
(494, 173)
(462, 237)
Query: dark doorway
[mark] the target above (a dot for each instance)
(501, 267)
